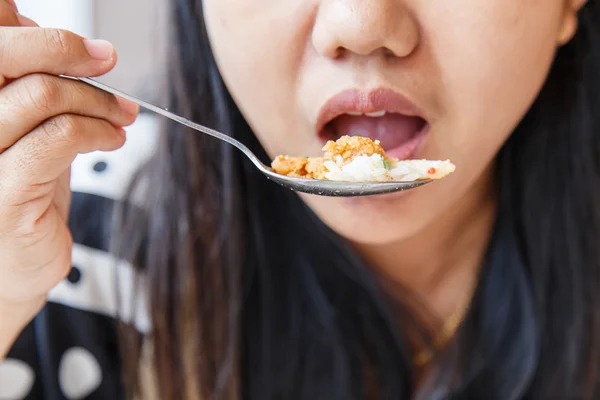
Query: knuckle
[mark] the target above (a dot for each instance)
(60, 41)
(40, 92)
(62, 127)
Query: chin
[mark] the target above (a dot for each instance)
(373, 220)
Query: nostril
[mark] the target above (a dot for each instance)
(337, 53)
(387, 53)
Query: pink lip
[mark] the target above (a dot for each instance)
(359, 101)
(375, 100)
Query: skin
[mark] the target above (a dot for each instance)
(460, 62)
(285, 57)
(45, 121)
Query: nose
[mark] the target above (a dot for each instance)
(364, 27)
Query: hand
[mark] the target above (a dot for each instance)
(45, 121)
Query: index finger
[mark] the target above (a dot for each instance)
(9, 15)
(13, 4)
(25, 51)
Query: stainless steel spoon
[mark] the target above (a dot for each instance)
(311, 186)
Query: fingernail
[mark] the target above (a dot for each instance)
(127, 106)
(99, 49)
(24, 21)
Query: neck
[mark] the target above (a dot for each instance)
(440, 264)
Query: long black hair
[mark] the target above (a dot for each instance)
(253, 297)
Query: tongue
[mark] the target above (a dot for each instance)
(392, 130)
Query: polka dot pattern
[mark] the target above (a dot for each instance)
(100, 166)
(16, 379)
(79, 373)
(74, 275)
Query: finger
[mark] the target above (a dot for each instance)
(8, 14)
(62, 196)
(28, 101)
(8, 17)
(25, 51)
(48, 151)
(13, 5)
(24, 21)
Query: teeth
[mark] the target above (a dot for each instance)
(372, 114)
(376, 114)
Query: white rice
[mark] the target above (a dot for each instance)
(373, 168)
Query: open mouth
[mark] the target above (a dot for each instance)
(380, 115)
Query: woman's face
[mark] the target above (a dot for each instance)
(466, 70)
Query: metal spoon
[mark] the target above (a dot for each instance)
(311, 186)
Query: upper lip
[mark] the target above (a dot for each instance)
(357, 101)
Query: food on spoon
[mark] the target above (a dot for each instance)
(360, 159)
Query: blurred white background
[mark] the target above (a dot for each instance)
(137, 28)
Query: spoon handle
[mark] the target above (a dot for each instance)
(174, 117)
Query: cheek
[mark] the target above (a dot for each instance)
(259, 47)
(485, 61)
(493, 58)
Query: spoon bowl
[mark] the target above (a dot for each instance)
(341, 188)
(310, 186)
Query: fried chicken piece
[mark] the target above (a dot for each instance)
(346, 147)
(315, 168)
(292, 166)
(350, 146)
